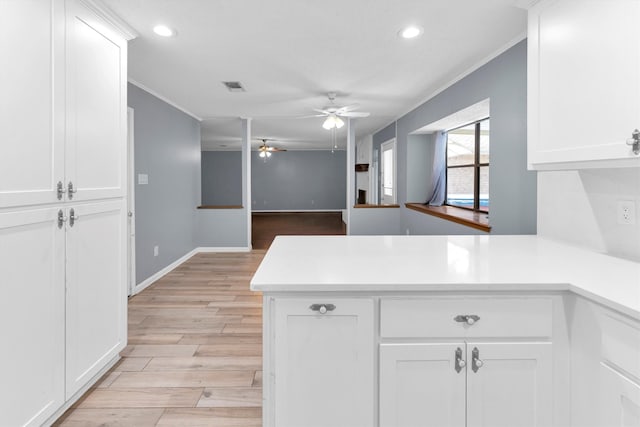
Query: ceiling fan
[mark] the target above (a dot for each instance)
(334, 113)
(266, 150)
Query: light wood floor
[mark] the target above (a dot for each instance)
(194, 356)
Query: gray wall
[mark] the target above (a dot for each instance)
(299, 180)
(222, 178)
(167, 148)
(420, 151)
(513, 188)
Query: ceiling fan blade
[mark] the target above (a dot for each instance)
(354, 114)
(313, 115)
(321, 111)
(277, 149)
(347, 108)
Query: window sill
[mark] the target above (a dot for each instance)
(476, 220)
(220, 207)
(368, 206)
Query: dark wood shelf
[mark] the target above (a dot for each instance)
(368, 206)
(477, 220)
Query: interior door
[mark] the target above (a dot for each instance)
(388, 173)
(31, 103)
(509, 385)
(420, 385)
(31, 316)
(96, 289)
(96, 107)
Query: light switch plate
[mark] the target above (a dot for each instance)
(143, 179)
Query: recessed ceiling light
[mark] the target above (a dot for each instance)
(410, 32)
(164, 31)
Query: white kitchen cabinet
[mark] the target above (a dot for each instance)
(322, 362)
(583, 83)
(466, 384)
(96, 107)
(495, 367)
(509, 384)
(31, 316)
(96, 291)
(31, 104)
(62, 121)
(420, 385)
(619, 399)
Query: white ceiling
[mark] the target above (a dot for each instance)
(289, 53)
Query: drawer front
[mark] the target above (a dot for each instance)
(621, 344)
(435, 317)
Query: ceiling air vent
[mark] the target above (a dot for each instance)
(234, 86)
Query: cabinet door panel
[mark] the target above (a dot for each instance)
(31, 153)
(96, 295)
(324, 364)
(584, 81)
(96, 106)
(31, 317)
(419, 386)
(620, 399)
(513, 387)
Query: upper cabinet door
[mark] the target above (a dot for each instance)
(583, 83)
(31, 106)
(96, 113)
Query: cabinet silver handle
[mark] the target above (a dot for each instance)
(634, 141)
(61, 218)
(469, 319)
(460, 362)
(476, 363)
(322, 308)
(60, 190)
(73, 217)
(71, 190)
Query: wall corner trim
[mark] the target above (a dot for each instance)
(169, 268)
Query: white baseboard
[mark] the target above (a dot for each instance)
(151, 279)
(223, 249)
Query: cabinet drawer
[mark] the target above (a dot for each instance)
(435, 317)
(621, 344)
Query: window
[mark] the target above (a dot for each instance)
(468, 166)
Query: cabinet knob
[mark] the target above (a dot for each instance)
(476, 362)
(460, 362)
(322, 308)
(60, 190)
(634, 142)
(469, 319)
(73, 217)
(71, 190)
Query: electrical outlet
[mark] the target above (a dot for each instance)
(156, 250)
(626, 212)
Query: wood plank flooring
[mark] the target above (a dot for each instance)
(266, 225)
(194, 355)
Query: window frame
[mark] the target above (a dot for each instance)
(476, 165)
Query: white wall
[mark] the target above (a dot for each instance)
(579, 207)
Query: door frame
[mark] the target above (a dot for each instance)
(131, 205)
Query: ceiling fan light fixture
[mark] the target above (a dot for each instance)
(330, 122)
(339, 122)
(262, 154)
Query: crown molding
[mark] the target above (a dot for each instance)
(109, 16)
(163, 98)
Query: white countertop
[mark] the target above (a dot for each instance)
(446, 263)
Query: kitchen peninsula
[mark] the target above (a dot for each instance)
(447, 331)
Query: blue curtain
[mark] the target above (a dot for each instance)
(438, 177)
